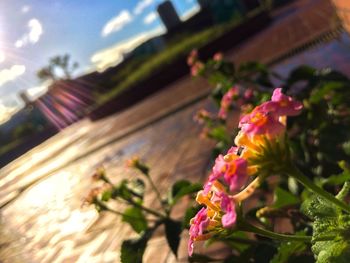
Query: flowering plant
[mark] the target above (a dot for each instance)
(262, 150)
(126, 199)
(323, 92)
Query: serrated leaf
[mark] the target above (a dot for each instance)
(317, 207)
(335, 251)
(283, 198)
(136, 219)
(173, 231)
(331, 229)
(182, 188)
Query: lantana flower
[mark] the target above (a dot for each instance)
(218, 56)
(192, 58)
(196, 68)
(231, 171)
(226, 101)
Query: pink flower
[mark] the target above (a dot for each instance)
(197, 68)
(228, 207)
(236, 174)
(286, 105)
(218, 56)
(226, 101)
(201, 116)
(261, 121)
(198, 225)
(266, 119)
(248, 94)
(192, 57)
(232, 168)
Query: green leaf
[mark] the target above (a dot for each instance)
(316, 207)
(182, 188)
(137, 188)
(337, 179)
(134, 216)
(219, 133)
(173, 231)
(283, 198)
(331, 229)
(301, 73)
(261, 253)
(132, 250)
(238, 241)
(346, 147)
(287, 250)
(122, 191)
(319, 94)
(335, 251)
(106, 195)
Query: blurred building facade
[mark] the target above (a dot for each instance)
(168, 15)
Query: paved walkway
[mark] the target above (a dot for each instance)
(41, 192)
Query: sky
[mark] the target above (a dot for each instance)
(94, 32)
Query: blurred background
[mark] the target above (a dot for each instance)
(86, 83)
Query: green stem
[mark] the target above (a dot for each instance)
(155, 189)
(245, 226)
(146, 209)
(295, 173)
(150, 211)
(245, 241)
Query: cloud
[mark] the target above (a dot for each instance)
(37, 91)
(142, 5)
(150, 18)
(117, 23)
(33, 36)
(111, 56)
(2, 56)
(12, 73)
(25, 9)
(6, 112)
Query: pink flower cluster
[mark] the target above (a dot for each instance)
(227, 100)
(232, 171)
(232, 96)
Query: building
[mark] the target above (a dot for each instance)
(169, 16)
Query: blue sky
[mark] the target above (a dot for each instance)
(95, 33)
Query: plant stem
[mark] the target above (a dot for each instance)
(146, 209)
(249, 190)
(245, 226)
(298, 175)
(107, 208)
(155, 189)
